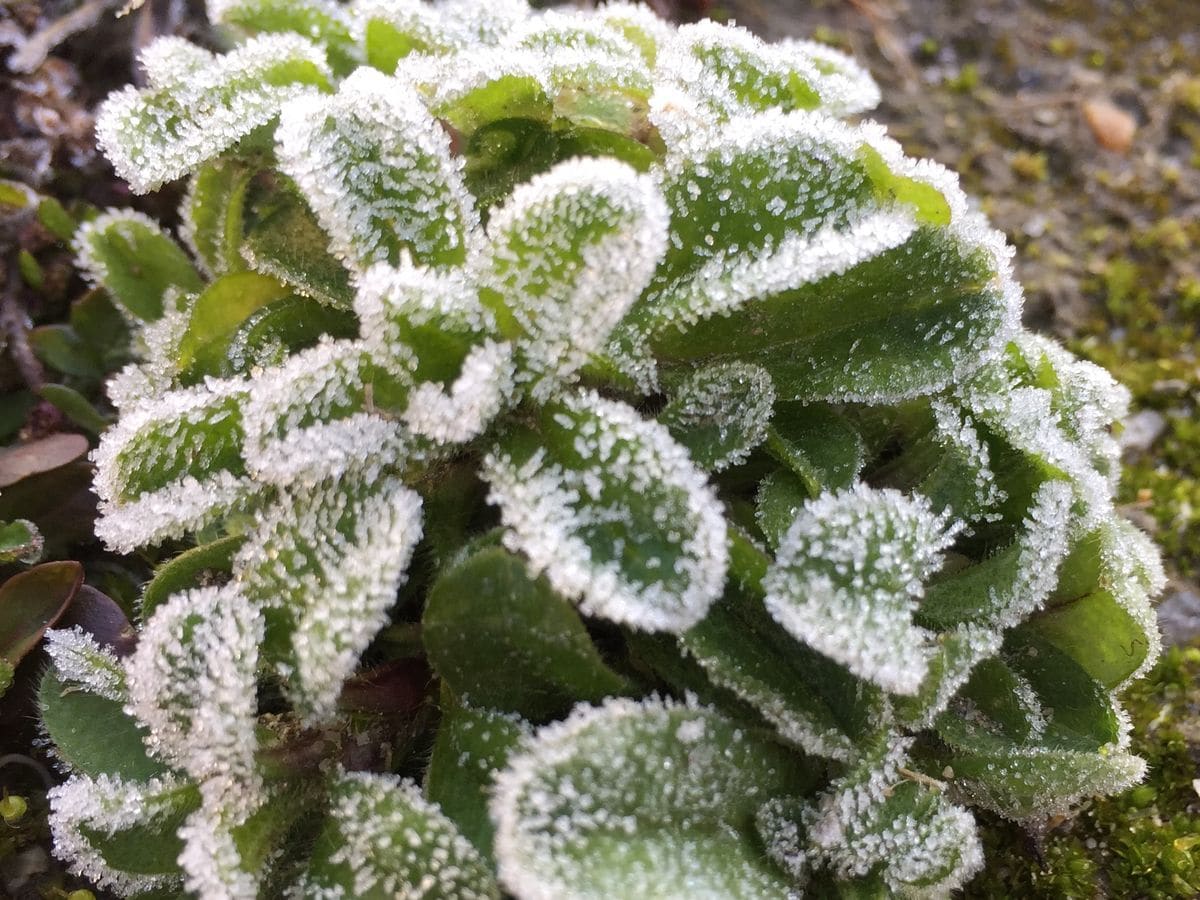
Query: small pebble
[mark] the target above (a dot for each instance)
(1112, 126)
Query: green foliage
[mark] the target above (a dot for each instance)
(598, 378)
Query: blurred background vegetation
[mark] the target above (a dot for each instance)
(1076, 125)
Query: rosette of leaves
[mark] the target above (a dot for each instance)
(684, 429)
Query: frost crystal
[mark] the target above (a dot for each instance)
(203, 105)
(630, 529)
(80, 660)
(873, 817)
(568, 255)
(192, 684)
(847, 578)
(392, 842)
(330, 559)
(106, 806)
(660, 790)
(376, 168)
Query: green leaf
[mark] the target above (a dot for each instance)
(192, 682)
(781, 498)
(1098, 633)
(559, 290)
(213, 214)
(638, 543)
(810, 701)
(629, 799)
(75, 406)
(197, 105)
(818, 445)
(504, 640)
(100, 324)
(504, 153)
(32, 601)
(93, 734)
(956, 654)
(188, 570)
(217, 314)
(173, 466)
(1005, 587)
(30, 269)
(720, 414)
(20, 541)
(135, 261)
(384, 840)
(837, 293)
(56, 219)
(927, 201)
(325, 562)
(393, 30)
(121, 834)
(847, 578)
(327, 24)
(1032, 784)
(16, 406)
(413, 205)
(271, 332)
(16, 195)
(733, 71)
(472, 745)
(883, 819)
(59, 347)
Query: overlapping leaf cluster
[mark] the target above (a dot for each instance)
(685, 429)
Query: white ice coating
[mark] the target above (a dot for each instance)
(376, 169)
(390, 297)
(848, 575)
(1054, 780)
(108, 805)
(565, 300)
(702, 59)
(956, 654)
(192, 683)
(850, 831)
(395, 843)
(612, 774)
(552, 30)
(332, 556)
(80, 660)
(547, 510)
(957, 434)
(224, 12)
(735, 398)
(444, 26)
(126, 224)
(334, 527)
(1043, 544)
(729, 280)
(198, 105)
(483, 388)
(168, 430)
(211, 862)
(308, 419)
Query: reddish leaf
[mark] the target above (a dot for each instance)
(33, 601)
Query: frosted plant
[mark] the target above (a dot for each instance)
(595, 403)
